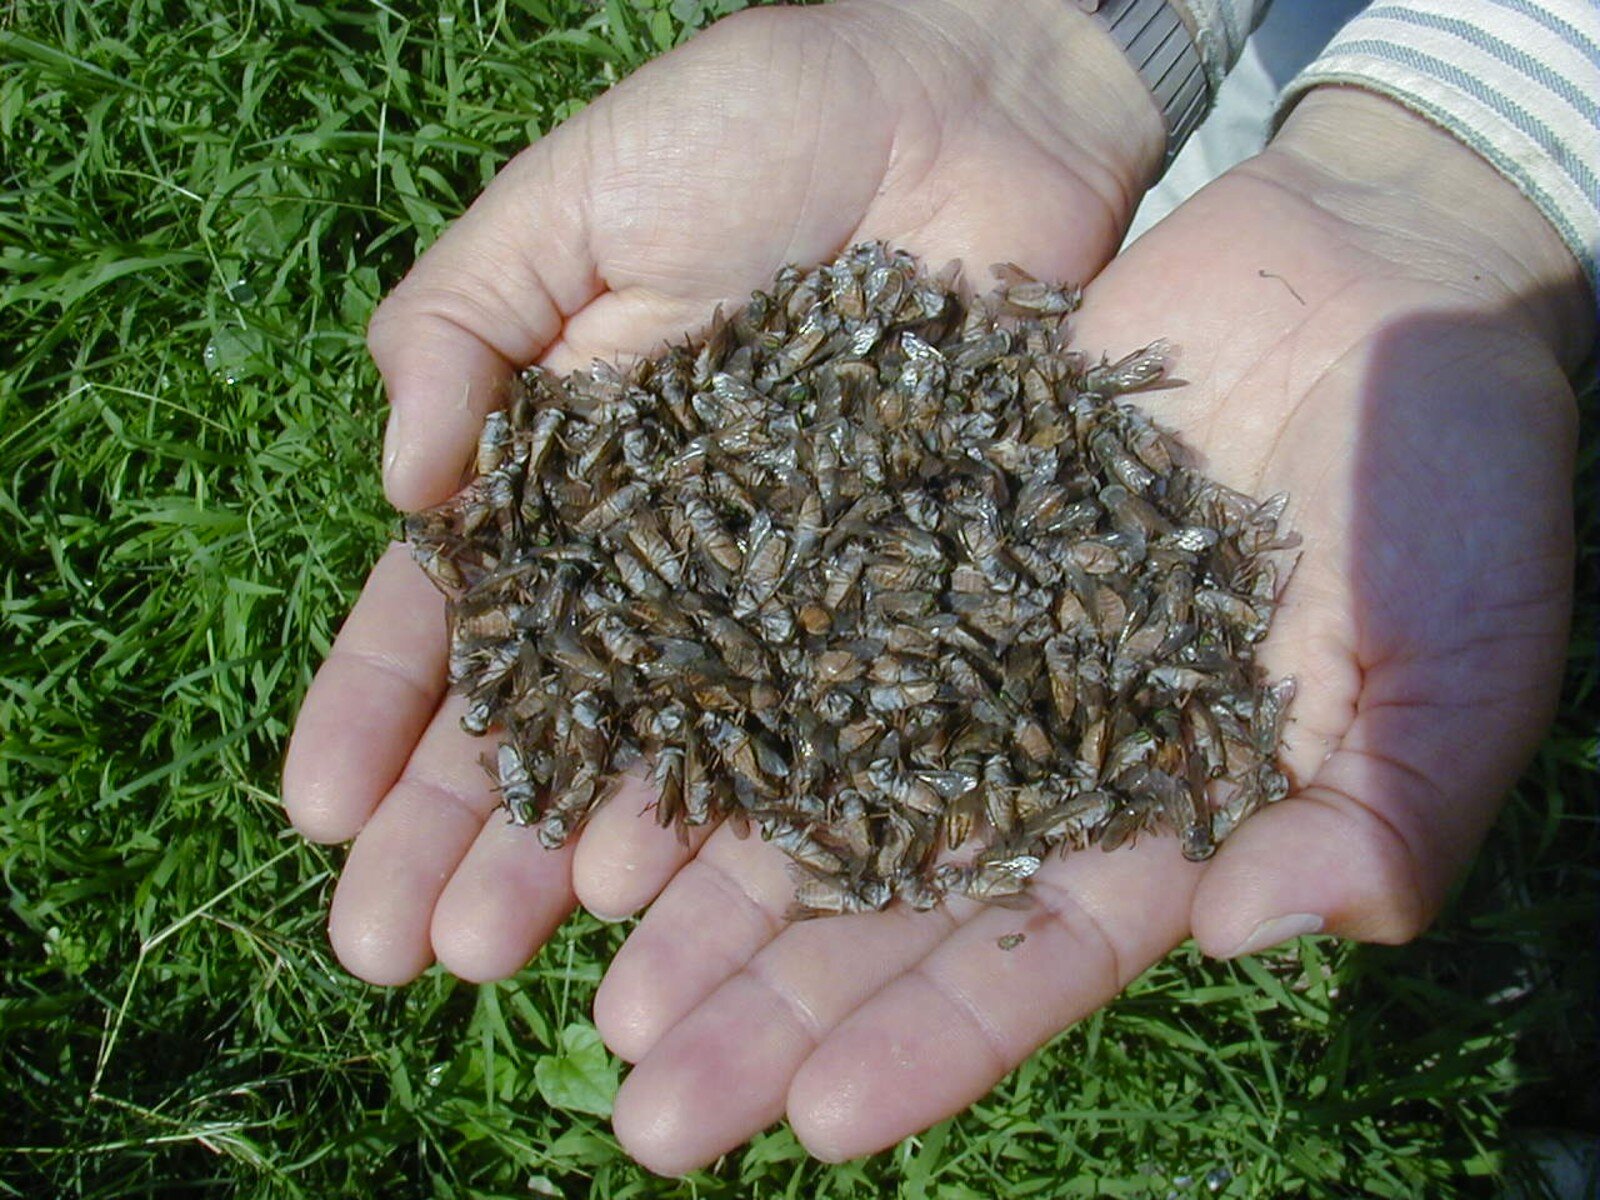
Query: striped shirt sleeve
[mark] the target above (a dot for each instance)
(1517, 80)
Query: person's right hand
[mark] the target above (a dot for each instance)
(1366, 317)
(979, 129)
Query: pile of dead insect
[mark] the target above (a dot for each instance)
(877, 569)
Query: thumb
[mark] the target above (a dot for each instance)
(489, 296)
(1371, 846)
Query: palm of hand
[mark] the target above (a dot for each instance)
(1420, 532)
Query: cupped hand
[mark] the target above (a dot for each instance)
(985, 129)
(1371, 320)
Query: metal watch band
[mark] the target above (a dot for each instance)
(1158, 44)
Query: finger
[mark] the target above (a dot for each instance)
(625, 856)
(505, 899)
(630, 320)
(941, 1035)
(721, 908)
(369, 702)
(383, 907)
(491, 294)
(1370, 847)
(722, 1073)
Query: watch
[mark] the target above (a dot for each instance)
(1157, 42)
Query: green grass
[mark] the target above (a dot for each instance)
(197, 215)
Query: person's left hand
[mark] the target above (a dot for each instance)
(1351, 336)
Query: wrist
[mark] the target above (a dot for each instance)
(1046, 66)
(1412, 193)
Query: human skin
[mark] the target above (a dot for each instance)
(1368, 317)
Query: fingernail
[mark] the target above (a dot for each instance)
(1276, 930)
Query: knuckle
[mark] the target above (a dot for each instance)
(1389, 901)
(415, 314)
(393, 326)
(1392, 908)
